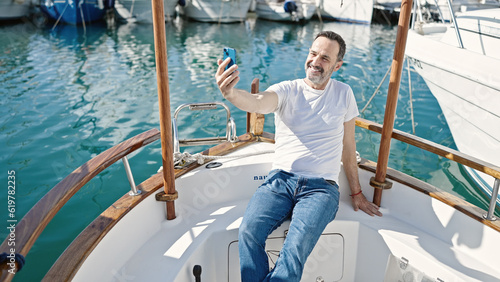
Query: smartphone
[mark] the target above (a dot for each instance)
(231, 53)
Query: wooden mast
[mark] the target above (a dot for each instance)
(379, 181)
(164, 105)
(255, 121)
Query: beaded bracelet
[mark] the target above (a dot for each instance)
(352, 195)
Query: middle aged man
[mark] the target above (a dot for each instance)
(314, 120)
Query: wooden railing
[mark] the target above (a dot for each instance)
(34, 222)
(445, 152)
(434, 148)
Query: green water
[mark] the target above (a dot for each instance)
(67, 95)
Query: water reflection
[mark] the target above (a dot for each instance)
(68, 95)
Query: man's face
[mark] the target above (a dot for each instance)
(322, 62)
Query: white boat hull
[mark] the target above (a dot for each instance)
(10, 10)
(223, 11)
(274, 11)
(355, 11)
(466, 85)
(474, 129)
(354, 247)
(140, 10)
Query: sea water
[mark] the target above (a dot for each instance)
(68, 94)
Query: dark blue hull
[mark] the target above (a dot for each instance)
(75, 11)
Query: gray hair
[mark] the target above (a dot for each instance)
(335, 37)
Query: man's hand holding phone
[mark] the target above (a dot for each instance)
(227, 75)
(229, 53)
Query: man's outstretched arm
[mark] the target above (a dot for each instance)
(262, 103)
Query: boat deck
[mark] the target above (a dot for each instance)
(354, 247)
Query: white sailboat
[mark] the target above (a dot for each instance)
(354, 11)
(462, 73)
(288, 11)
(140, 10)
(10, 10)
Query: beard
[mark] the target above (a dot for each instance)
(319, 76)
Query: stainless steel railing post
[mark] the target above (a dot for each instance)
(175, 135)
(231, 131)
(452, 15)
(133, 189)
(493, 201)
(439, 11)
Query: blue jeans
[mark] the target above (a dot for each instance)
(310, 203)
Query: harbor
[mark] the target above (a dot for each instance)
(71, 92)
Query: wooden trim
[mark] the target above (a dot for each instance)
(255, 121)
(35, 221)
(74, 256)
(267, 137)
(426, 188)
(434, 148)
(66, 266)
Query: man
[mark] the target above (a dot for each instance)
(314, 120)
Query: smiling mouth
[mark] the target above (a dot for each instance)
(315, 69)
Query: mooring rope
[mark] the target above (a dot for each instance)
(187, 157)
(60, 16)
(181, 159)
(376, 90)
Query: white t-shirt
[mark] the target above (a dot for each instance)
(310, 127)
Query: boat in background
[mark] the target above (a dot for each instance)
(387, 11)
(217, 11)
(140, 10)
(461, 65)
(287, 11)
(442, 11)
(353, 11)
(77, 11)
(14, 9)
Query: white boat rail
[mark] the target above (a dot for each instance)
(230, 127)
(494, 195)
(417, 9)
(457, 32)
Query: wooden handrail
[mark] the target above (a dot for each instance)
(35, 221)
(457, 203)
(434, 148)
